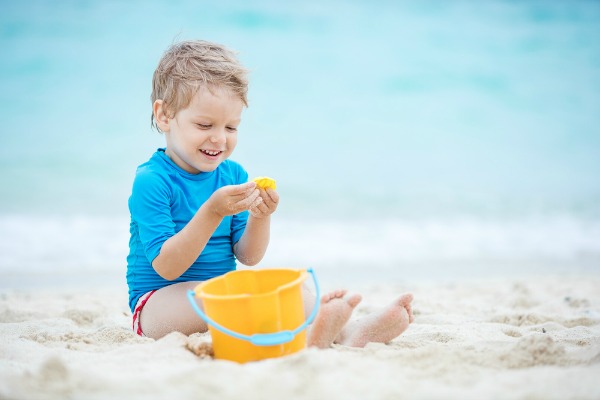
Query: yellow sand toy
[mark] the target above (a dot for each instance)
(265, 182)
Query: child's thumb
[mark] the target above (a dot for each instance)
(247, 187)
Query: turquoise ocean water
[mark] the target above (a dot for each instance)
(410, 140)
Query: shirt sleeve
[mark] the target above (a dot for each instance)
(238, 222)
(149, 205)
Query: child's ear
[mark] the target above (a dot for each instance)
(160, 115)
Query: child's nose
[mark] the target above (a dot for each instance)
(218, 136)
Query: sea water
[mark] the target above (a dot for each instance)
(424, 139)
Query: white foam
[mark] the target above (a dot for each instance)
(560, 238)
(62, 244)
(83, 243)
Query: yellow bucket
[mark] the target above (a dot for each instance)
(255, 314)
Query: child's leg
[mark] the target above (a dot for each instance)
(169, 310)
(381, 326)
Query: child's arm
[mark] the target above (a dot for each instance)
(251, 247)
(182, 249)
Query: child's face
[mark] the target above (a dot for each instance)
(204, 134)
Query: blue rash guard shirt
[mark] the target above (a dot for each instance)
(163, 200)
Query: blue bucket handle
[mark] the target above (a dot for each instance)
(263, 339)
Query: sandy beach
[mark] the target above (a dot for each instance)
(487, 339)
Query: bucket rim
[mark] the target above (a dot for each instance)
(303, 274)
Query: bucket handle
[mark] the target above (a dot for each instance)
(263, 339)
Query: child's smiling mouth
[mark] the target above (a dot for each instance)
(211, 153)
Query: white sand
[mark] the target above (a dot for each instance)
(479, 340)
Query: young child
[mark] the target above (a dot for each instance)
(193, 211)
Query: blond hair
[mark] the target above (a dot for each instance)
(189, 65)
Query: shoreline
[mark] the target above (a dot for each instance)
(352, 276)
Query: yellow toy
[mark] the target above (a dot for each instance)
(265, 182)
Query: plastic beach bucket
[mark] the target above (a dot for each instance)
(255, 314)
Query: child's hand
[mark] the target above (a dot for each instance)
(234, 199)
(267, 206)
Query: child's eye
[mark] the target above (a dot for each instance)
(231, 129)
(203, 126)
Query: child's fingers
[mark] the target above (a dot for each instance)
(238, 193)
(247, 188)
(270, 197)
(242, 190)
(255, 206)
(247, 202)
(273, 195)
(263, 208)
(258, 202)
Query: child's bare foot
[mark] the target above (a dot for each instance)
(335, 311)
(381, 326)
